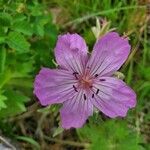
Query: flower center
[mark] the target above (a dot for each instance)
(85, 82)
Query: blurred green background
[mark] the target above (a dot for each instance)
(28, 33)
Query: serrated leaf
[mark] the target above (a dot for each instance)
(23, 27)
(19, 17)
(36, 9)
(23, 69)
(5, 19)
(43, 20)
(111, 135)
(39, 30)
(40, 22)
(15, 104)
(18, 42)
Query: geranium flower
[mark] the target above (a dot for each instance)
(83, 82)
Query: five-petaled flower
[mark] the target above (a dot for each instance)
(85, 82)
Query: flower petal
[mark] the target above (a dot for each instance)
(71, 52)
(109, 53)
(114, 97)
(75, 111)
(54, 86)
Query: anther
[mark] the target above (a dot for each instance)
(84, 96)
(75, 88)
(96, 75)
(75, 74)
(97, 91)
(102, 80)
(92, 95)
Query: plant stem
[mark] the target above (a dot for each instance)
(66, 142)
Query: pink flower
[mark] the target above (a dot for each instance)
(85, 82)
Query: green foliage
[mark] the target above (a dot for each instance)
(14, 104)
(2, 59)
(17, 42)
(27, 36)
(2, 101)
(5, 19)
(110, 135)
(23, 27)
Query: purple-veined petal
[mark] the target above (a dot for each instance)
(109, 53)
(75, 111)
(71, 52)
(54, 86)
(114, 97)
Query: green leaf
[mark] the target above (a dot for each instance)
(23, 69)
(36, 9)
(19, 17)
(130, 73)
(144, 71)
(18, 42)
(2, 59)
(40, 22)
(15, 104)
(5, 19)
(44, 110)
(2, 103)
(39, 30)
(5, 77)
(30, 140)
(51, 33)
(22, 82)
(58, 131)
(23, 27)
(3, 32)
(2, 40)
(43, 20)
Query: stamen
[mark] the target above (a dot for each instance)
(84, 96)
(97, 91)
(96, 75)
(75, 88)
(75, 74)
(102, 80)
(92, 95)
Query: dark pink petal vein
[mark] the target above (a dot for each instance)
(84, 82)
